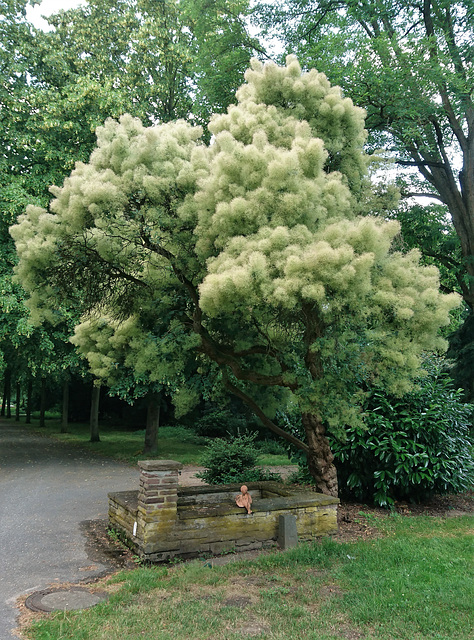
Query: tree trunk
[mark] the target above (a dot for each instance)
(18, 400)
(29, 393)
(43, 402)
(65, 406)
(94, 422)
(152, 423)
(6, 391)
(320, 457)
(9, 396)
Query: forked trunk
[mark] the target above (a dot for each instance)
(320, 457)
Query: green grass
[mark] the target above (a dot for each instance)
(174, 443)
(277, 460)
(414, 583)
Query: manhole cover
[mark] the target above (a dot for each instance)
(64, 599)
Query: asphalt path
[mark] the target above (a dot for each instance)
(47, 490)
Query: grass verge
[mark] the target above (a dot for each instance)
(414, 583)
(174, 443)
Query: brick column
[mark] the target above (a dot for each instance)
(157, 502)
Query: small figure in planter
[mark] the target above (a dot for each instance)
(244, 499)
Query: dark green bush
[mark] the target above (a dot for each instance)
(215, 423)
(271, 447)
(413, 446)
(233, 460)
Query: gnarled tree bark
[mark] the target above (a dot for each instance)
(320, 457)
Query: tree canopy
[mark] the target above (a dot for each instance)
(254, 253)
(409, 63)
(101, 59)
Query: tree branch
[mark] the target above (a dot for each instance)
(223, 356)
(260, 414)
(412, 194)
(420, 163)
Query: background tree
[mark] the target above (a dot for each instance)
(99, 60)
(117, 356)
(410, 65)
(250, 253)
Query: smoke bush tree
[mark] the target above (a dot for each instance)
(254, 256)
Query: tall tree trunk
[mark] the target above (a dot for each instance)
(320, 457)
(65, 406)
(94, 423)
(9, 396)
(6, 390)
(29, 393)
(152, 423)
(43, 402)
(18, 400)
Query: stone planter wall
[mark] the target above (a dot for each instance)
(161, 521)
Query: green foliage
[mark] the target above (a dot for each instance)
(250, 254)
(218, 422)
(99, 60)
(410, 65)
(410, 447)
(233, 460)
(271, 447)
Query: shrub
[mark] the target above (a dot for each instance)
(214, 423)
(412, 447)
(233, 460)
(271, 447)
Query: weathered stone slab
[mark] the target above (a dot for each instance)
(287, 532)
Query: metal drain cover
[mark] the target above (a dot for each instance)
(64, 599)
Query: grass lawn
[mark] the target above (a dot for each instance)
(174, 443)
(415, 582)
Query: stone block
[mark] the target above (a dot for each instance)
(287, 533)
(222, 547)
(159, 465)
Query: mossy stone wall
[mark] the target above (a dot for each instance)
(162, 521)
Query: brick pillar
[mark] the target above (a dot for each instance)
(157, 502)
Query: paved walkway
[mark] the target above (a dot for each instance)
(46, 491)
